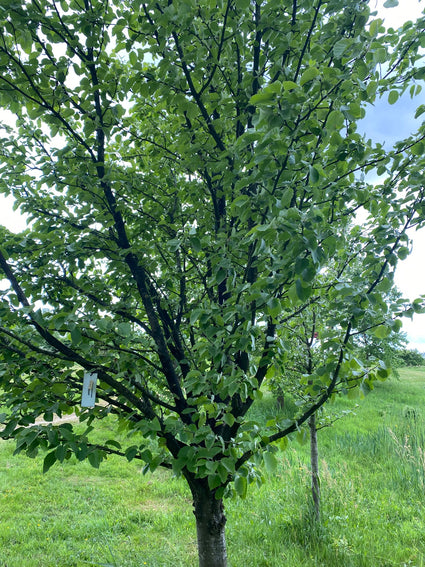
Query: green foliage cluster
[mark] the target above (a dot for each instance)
(409, 357)
(193, 175)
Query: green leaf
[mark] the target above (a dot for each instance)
(403, 252)
(375, 26)
(229, 419)
(274, 308)
(313, 174)
(390, 3)
(303, 291)
(381, 332)
(241, 486)
(308, 75)
(396, 325)
(418, 306)
(418, 149)
(196, 243)
(59, 388)
(420, 110)
(262, 98)
(383, 373)
(124, 329)
(174, 244)
(194, 315)
(154, 425)
(289, 85)
(65, 429)
(221, 275)
(95, 458)
(76, 336)
(49, 460)
(113, 443)
(134, 61)
(25, 40)
(301, 437)
(131, 452)
(82, 451)
(380, 55)
(393, 97)
(366, 387)
(271, 371)
(270, 462)
(214, 481)
(61, 452)
(335, 120)
(341, 46)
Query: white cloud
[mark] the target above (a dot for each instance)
(395, 17)
(11, 219)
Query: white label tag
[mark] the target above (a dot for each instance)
(88, 397)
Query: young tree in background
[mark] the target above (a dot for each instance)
(409, 357)
(188, 169)
(305, 355)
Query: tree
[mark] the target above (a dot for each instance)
(293, 377)
(409, 357)
(189, 171)
(305, 357)
(374, 346)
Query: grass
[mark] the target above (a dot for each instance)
(373, 507)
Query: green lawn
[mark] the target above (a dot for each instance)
(373, 509)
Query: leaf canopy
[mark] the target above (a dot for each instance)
(193, 179)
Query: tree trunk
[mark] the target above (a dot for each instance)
(210, 522)
(314, 458)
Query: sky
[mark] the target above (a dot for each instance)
(384, 123)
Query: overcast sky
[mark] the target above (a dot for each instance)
(383, 123)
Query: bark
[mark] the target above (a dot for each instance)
(314, 458)
(210, 525)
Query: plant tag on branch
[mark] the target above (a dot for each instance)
(89, 390)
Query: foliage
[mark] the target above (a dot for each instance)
(388, 350)
(191, 174)
(372, 346)
(409, 357)
(371, 356)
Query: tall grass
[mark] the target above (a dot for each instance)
(373, 505)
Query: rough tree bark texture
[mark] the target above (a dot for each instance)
(314, 458)
(210, 526)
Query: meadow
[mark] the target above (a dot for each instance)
(373, 507)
